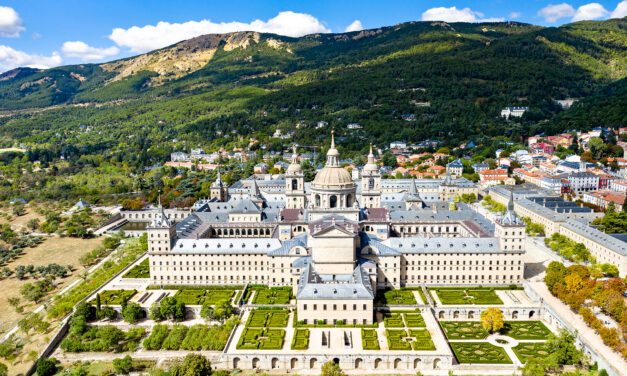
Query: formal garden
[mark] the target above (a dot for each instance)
(479, 353)
(369, 339)
(141, 270)
(301, 339)
(467, 296)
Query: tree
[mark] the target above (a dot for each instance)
(123, 366)
(132, 312)
(46, 367)
(192, 365)
(331, 368)
(492, 319)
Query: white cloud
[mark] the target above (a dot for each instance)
(86, 52)
(10, 22)
(453, 14)
(150, 37)
(11, 58)
(590, 11)
(354, 26)
(552, 13)
(620, 11)
(514, 15)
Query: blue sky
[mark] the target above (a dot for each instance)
(46, 33)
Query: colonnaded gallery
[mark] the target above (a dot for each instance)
(337, 239)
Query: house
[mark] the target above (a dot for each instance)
(508, 112)
(455, 168)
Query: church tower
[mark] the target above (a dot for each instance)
(161, 232)
(219, 190)
(294, 184)
(371, 183)
(510, 230)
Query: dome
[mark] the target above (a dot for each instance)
(332, 177)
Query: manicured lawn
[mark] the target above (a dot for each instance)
(141, 270)
(535, 350)
(414, 320)
(396, 297)
(396, 339)
(369, 340)
(451, 296)
(115, 297)
(199, 297)
(479, 353)
(525, 330)
(463, 330)
(301, 339)
(261, 339)
(422, 340)
(272, 296)
(394, 320)
(267, 318)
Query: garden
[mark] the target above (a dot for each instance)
(301, 339)
(116, 297)
(525, 330)
(463, 330)
(141, 270)
(396, 297)
(274, 295)
(532, 350)
(479, 353)
(369, 339)
(471, 296)
(200, 297)
(261, 318)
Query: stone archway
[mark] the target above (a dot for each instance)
(235, 362)
(358, 363)
(294, 363)
(312, 363)
(255, 363)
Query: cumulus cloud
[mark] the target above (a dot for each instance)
(10, 22)
(354, 26)
(620, 11)
(453, 14)
(85, 52)
(591, 11)
(552, 13)
(150, 37)
(11, 58)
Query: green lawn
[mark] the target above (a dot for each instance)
(141, 270)
(301, 339)
(369, 339)
(396, 297)
(199, 297)
(260, 318)
(535, 350)
(115, 297)
(525, 330)
(470, 296)
(479, 353)
(463, 330)
(275, 295)
(261, 339)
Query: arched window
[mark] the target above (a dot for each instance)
(333, 201)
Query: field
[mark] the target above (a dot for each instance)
(260, 318)
(525, 330)
(396, 297)
(526, 351)
(479, 353)
(476, 296)
(115, 297)
(142, 270)
(272, 296)
(200, 297)
(369, 340)
(463, 330)
(301, 339)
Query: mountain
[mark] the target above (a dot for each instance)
(213, 89)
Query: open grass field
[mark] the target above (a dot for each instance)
(463, 330)
(470, 296)
(531, 350)
(479, 353)
(369, 340)
(525, 330)
(301, 339)
(272, 296)
(260, 318)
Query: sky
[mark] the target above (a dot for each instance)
(46, 33)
